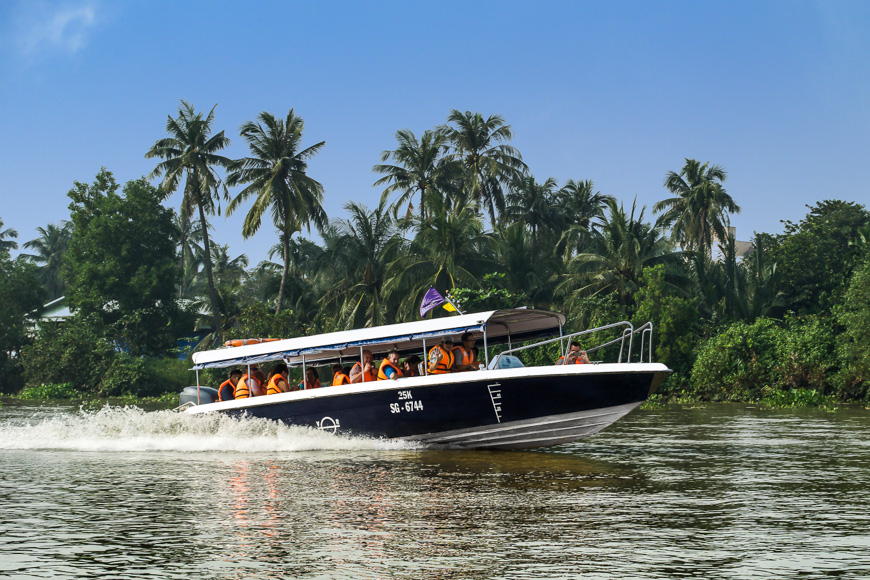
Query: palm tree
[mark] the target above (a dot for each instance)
(229, 277)
(617, 255)
(50, 247)
(275, 174)
(527, 271)
(449, 250)
(490, 163)
(190, 153)
(699, 212)
(6, 238)
(356, 264)
(418, 170)
(534, 205)
(580, 209)
(191, 254)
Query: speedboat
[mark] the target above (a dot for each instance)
(504, 405)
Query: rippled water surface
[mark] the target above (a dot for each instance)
(716, 492)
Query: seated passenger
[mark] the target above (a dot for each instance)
(339, 376)
(411, 366)
(574, 356)
(245, 386)
(389, 367)
(463, 356)
(365, 372)
(227, 390)
(441, 357)
(312, 379)
(278, 380)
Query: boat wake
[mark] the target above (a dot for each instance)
(132, 429)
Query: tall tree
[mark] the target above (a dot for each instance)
(49, 248)
(191, 255)
(534, 205)
(698, 214)
(419, 168)
(449, 249)
(120, 265)
(490, 163)
(277, 179)
(7, 238)
(616, 256)
(190, 153)
(359, 251)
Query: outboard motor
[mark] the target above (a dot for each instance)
(206, 395)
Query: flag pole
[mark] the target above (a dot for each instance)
(447, 298)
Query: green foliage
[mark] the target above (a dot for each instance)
(77, 352)
(816, 256)
(674, 319)
(853, 315)
(806, 354)
(21, 298)
(51, 391)
(258, 321)
(491, 296)
(736, 364)
(799, 398)
(120, 265)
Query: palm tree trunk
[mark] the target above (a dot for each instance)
(285, 240)
(212, 293)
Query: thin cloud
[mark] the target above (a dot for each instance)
(45, 30)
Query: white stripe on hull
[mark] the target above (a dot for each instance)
(530, 433)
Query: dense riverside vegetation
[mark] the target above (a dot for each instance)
(460, 210)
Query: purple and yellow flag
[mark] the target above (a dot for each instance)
(432, 300)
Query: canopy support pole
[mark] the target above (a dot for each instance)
(362, 365)
(561, 342)
(304, 375)
(425, 360)
(485, 348)
(198, 397)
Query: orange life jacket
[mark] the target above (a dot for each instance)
(368, 376)
(226, 392)
(467, 359)
(444, 365)
(243, 390)
(577, 361)
(273, 388)
(340, 379)
(317, 384)
(382, 374)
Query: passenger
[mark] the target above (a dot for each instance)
(475, 352)
(463, 356)
(259, 388)
(411, 366)
(441, 357)
(574, 356)
(339, 376)
(278, 380)
(227, 390)
(245, 386)
(389, 367)
(364, 372)
(312, 379)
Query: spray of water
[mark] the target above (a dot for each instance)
(132, 429)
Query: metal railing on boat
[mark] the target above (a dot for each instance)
(628, 331)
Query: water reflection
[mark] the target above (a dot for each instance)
(723, 492)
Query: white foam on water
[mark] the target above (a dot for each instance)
(132, 429)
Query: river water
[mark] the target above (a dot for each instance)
(712, 492)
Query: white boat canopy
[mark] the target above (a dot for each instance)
(495, 327)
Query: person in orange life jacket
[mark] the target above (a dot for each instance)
(441, 357)
(339, 376)
(249, 386)
(227, 390)
(575, 356)
(463, 354)
(278, 381)
(410, 366)
(312, 379)
(390, 367)
(366, 371)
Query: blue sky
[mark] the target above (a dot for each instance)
(778, 93)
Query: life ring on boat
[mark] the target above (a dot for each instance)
(245, 341)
